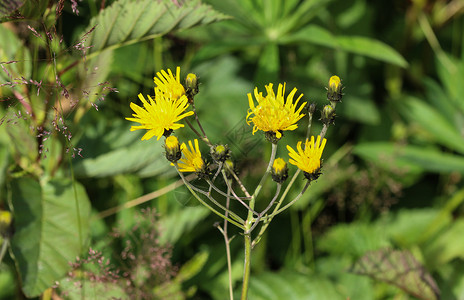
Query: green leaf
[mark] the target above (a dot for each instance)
(410, 158)
(126, 22)
(268, 65)
(408, 226)
(447, 246)
(365, 46)
(111, 149)
(313, 34)
(51, 223)
(371, 48)
(435, 123)
(192, 267)
(399, 268)
(353, 239)
(291, 285)
(360, 109)
(86, 289)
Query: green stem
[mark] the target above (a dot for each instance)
(247, 266)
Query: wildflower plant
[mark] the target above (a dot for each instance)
(274, 114)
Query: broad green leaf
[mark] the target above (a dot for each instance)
(353, 239)
(292, 285)
(51, 223)
(127, 21)
(410, 158)
(399, 268)
(436, 124)
(111, 149)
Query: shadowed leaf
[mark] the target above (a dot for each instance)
(49, 230)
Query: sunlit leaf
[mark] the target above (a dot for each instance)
(127, 21)
(50, 219)
(292, 285)
(353, 239)
(399, 268)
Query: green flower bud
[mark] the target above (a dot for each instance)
(328, 115)
(220, 153)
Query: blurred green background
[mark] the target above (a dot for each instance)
(384, 221)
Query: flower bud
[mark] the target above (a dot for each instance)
(328, 115)
(311, 107)
(191, 86)
(279, 170)
(172, 147)
(6, 219)
(334, 91)
(220, 152)
(229, 166)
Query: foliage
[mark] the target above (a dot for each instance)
(389, 201)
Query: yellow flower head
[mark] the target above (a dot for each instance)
(309, 159)
(159, 115)
(273, 113)
(169, 85)
(192, 161)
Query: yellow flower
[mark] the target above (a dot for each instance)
(169, 85)
(159, 115)
(309, 159)
(273, 113)
(192, 161)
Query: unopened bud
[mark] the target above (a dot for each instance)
(191, 86)
(334, 91)
(279, 170)
(172, 147)
(311, 107)
(229, 167)
(220, 153)
(328, 115)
